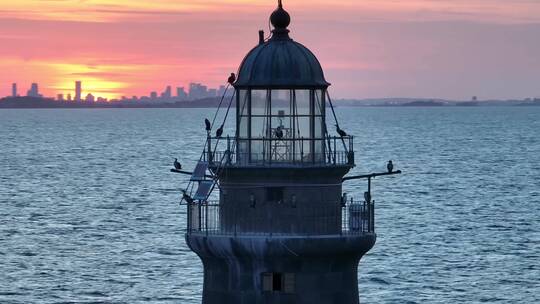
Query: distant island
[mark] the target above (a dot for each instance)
(26, 102)
(424, 102)
(421, 103)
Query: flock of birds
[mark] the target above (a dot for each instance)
(187, 198)
(278, 132)
(208, 125)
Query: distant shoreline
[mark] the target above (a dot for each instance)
(47, 103)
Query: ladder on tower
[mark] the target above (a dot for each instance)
(207, 179)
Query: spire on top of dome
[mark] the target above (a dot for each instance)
(280, 19)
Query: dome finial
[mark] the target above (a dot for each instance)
(280, 18)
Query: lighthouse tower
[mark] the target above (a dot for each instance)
(280, 230)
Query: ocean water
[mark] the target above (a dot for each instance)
(89, 210)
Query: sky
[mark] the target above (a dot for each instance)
(452, 49)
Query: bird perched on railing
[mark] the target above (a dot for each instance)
(340, 132)
(279, 132)
(186, 197)
(367, 196)
(208, 125)
(232, 78)
(219, 131)
(390, 166)
(177, 165)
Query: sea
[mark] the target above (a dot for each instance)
(89, 211)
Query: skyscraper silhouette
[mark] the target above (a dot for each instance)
(34, 91)
(167, 93)
(181, 93)
(78, 90)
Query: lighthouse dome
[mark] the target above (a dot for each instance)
(280, 62)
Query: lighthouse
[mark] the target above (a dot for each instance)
(266, 212)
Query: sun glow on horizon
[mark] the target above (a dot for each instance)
(94, 79)
(95, 86)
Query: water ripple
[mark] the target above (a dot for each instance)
(90, 215)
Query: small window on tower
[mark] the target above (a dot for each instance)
(274, 194)
(278, 282)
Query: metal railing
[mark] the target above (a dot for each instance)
(232, 151)
(349, 218)
(262, 159)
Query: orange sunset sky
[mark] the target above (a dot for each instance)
(368, 48)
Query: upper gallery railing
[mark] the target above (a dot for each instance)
(231, 151)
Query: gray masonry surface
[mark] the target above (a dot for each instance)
(325, 267)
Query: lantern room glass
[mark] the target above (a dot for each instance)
(280, 125)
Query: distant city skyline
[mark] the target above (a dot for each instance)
(451, 49)
(195, 91)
